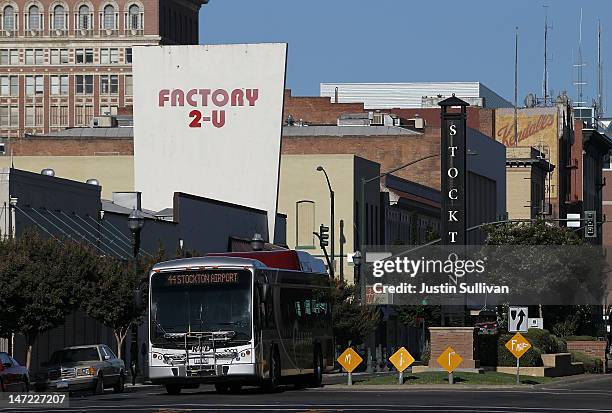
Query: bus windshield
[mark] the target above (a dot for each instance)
(200, 303)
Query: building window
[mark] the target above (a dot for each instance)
(84, 55)
(34, 116)
(59, 85)
(34, 18)
(304, 224)
(134, 17)
(129, 86)
(109, 56)
(109, 84)
(9, 56)
(9, 115)
(128, 55)
(108, 110)
(9, 85)
(109, 17)
(83, 114)
(59, 18)
(34, 85)
(84, 84)
(84, 17)
(59, 116)
(34, 57)
(8, 19)
(59, 56)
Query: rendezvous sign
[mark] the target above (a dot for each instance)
(485, 276)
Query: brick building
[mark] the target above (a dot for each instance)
(64, 62)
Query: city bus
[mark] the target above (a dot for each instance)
(234, 319)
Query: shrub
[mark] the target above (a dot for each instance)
(591, 364)
(566, 327)
(532, 358)
(580, 338)
(487, 349)
(547, 343)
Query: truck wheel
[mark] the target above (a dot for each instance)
(235, 388)
(173, 389)
(221, 388)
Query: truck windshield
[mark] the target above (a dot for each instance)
(200, 302)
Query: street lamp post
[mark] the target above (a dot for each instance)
(331, 200)
(357, 264)
(135, 223)
(362, 202)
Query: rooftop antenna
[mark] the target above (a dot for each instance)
(516, 88)
(600, 108)
(545, 82)
(579, 82)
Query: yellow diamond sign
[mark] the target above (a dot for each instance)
(449, 359)
(401, 359)
(518, 345)
(349, 359)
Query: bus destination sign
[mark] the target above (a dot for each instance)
(202, 278)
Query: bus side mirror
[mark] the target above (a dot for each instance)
(265, 291)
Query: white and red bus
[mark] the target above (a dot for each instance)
(234, 319)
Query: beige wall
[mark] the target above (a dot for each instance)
(115, 173)
(518, 192)
(299, 180)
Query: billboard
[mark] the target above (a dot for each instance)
(537, 127)
(208, 122)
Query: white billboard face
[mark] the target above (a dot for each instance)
(208, 122)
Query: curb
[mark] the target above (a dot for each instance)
(409, 387)
(585, 378)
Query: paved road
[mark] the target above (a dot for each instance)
(581, 396)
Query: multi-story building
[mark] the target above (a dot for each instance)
(64, 62)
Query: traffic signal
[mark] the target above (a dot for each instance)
(323, 235)
(590, 226)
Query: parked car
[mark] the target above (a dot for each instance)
(13, 376)
(93, 367)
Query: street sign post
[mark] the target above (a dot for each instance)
(518, 345)
(449, 360)
(518, 319)
(401, 359)
(349, 359)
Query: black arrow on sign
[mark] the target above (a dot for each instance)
(521, 316)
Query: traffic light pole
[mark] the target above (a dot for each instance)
(324, 252)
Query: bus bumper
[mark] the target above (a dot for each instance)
(194, 374)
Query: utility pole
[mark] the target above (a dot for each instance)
(516, 88)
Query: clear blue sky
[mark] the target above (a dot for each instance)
(406, 40)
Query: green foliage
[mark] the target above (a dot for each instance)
(546, 342)
(580, 338)
(539, 232)
(411, 315)
(352, 321)
(566, 327)
(532, 358)
(42, 280)
(591, 364)
(487, 349)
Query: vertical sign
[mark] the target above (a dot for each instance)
(453, 171)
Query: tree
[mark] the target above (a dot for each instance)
(111, 295)
(352, 321)
(41, 279)
(565, 271)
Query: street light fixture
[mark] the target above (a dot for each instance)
(357, 264)
(135, 223)
(257, 242)
(331, 213)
